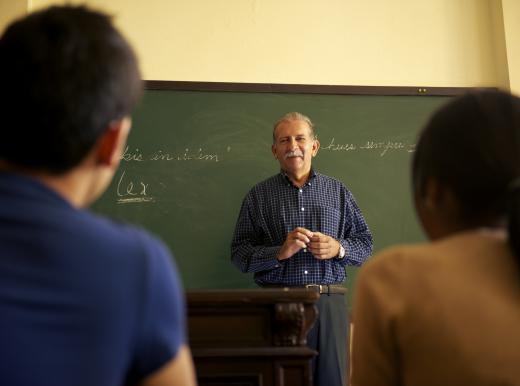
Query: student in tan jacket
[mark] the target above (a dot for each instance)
(447, 312)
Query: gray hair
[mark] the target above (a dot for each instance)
(294, 116)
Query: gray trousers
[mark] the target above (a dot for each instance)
(329, 336)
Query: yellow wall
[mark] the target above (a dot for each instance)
(498, 42)
(11, 9)
(373, 42)
(512, 40)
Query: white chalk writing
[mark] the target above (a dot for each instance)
(382, 146)
(129, 191)
(130, 155)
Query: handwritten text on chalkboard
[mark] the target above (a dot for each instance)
(161, 155)
(136, 190)
(131, 191)
(383, 146)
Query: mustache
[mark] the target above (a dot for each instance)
(295, 153)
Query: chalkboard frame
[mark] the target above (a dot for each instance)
(307, 88)
(218, 271)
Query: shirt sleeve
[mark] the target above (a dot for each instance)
(162, 330)
(357, 239)
(378, 302)
(247, 253)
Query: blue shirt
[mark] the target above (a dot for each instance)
(275, 207)
(83, 301)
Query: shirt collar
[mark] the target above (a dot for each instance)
(312, 176)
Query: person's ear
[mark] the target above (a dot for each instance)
(315, 147)
(426, 206)
(437, 196)
(112, 142)
(433, 194)
(273, 149)
(438, 209)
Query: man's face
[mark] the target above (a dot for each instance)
(294, 147)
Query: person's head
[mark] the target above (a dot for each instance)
(466, 160)
(68, 78)
(294, 143)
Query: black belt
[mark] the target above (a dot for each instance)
(320, 288)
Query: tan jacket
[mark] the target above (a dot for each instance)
(442, 313)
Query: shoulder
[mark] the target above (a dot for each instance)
(328, 180)
(399, 260)
(418, 264)
(146, 271)
(333, 186)
(112, 230)
(277, 179)
(135, 251)
(386, 281)
(118, 243)
(266, 186)
(392, 261)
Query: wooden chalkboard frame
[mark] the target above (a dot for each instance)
(305, 88)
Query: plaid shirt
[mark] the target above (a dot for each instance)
(274, 207)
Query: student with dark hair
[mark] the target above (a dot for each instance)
(83, 300)
(447, 312)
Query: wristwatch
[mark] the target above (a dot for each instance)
(341, 253)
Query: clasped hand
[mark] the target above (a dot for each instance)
(320, 245)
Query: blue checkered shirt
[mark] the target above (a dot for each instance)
(274, 207)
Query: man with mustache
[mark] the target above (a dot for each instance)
(301, 228)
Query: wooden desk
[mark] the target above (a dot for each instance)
(253, 337)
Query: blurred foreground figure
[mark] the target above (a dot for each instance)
(83, 301)
(447, 312)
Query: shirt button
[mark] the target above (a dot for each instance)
(303, 209)
(301, 190)
(306, 272)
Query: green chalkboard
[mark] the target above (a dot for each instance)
(193, 155)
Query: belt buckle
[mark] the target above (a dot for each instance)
(317, 286)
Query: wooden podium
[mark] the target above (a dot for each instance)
(253, 337)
